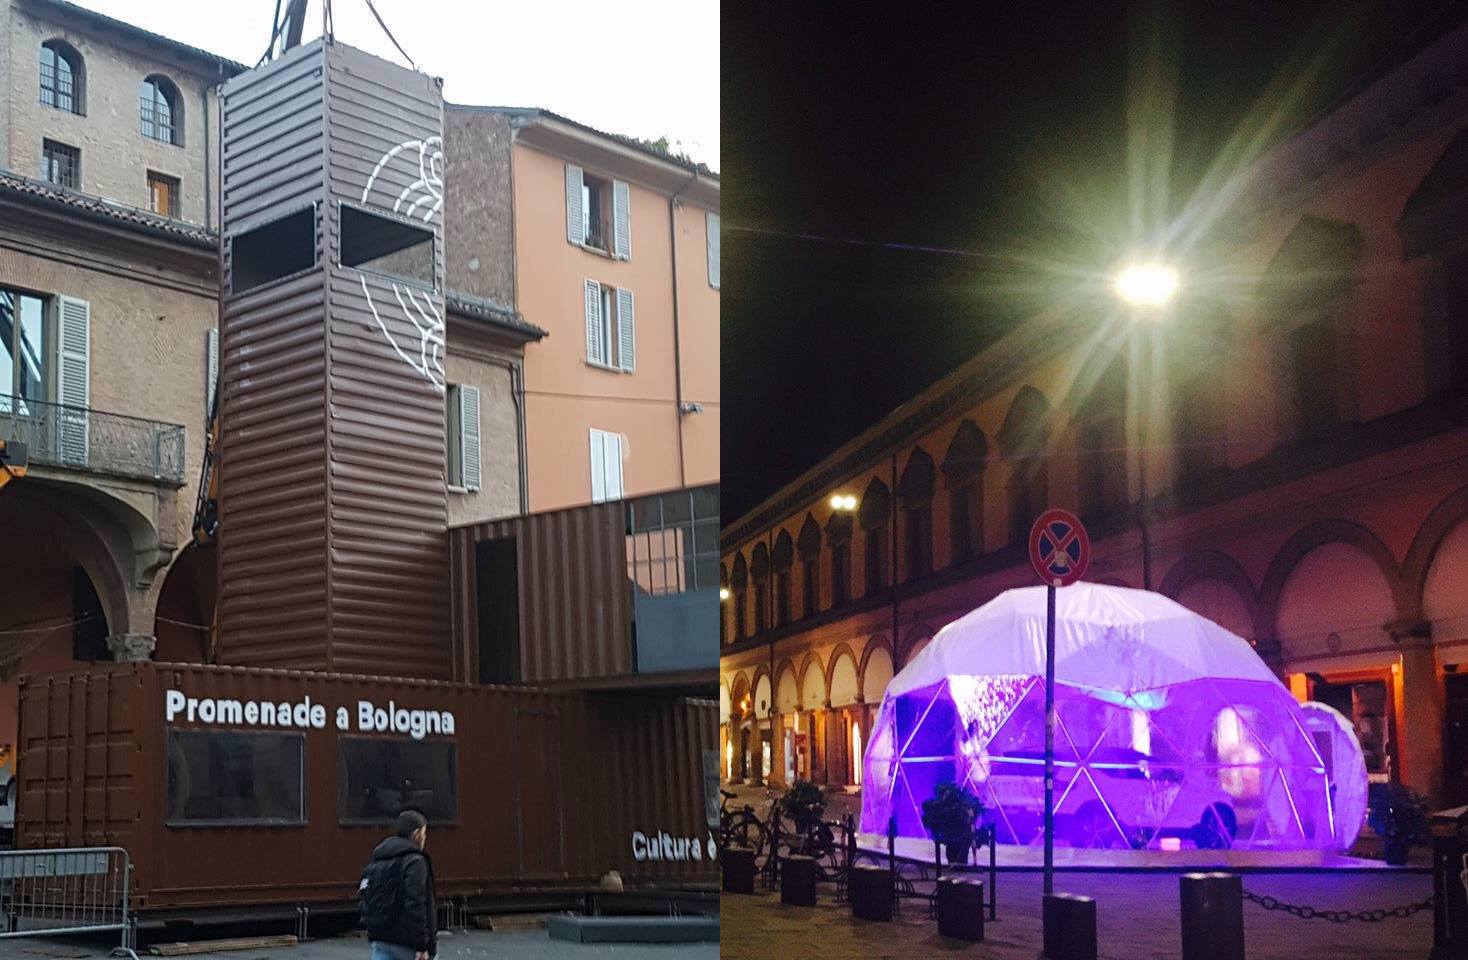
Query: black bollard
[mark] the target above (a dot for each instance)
(1213, 916)
(738, 864)
(1070, 926)
(798, 881)
(871, 893)
(961, 909)
(1450, 899)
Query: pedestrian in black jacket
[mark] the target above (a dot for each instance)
(396, 894)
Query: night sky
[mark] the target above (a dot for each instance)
(961, 127)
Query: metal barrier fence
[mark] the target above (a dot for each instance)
(64, 891)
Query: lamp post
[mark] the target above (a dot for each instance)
(1146, 287)
(841, 503)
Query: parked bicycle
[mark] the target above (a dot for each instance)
(740, 827)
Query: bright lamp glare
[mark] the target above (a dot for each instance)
(1146, 284)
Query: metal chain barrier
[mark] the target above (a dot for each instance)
(1337, 916)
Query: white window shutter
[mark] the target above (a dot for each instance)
(614, 466)
(575, 216)
(596, 350)
(711, 225)
(469, 437)
(621, 220)
(452, 417)
(598, 466)
(626, 332)
(73, 379)
(211, 371)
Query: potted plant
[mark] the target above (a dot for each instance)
(804, 803)
(1398, 815)
(949, 817)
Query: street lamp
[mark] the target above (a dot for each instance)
(1146, 286)
(723, 593)
(844, 503)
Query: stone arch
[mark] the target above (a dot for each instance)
(877, 642)
(184, 617)
(876, 505)
(842, 650)
(1307, 539)
(785, 670)
(916, 483)
(1023, 440)
(759, 563)
(810, 668)
(878, 654)
(784, 553)
(916, 639)
(963, 471)
(1214, 565)
(738, 691)
(808, 543)
(1434, 530)
(762, 678)
(739, 572)
(968, 452)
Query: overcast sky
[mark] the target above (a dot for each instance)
(644, 68)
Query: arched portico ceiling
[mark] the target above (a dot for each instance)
(1452, 511)
(841, 676)
(812, 682)
(1216, 566)
(1309, 538)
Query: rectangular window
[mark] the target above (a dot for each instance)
(606, 466)
(463, 435)
(673, 542)
(611, 326)
(219, 777)
(61, 164)
(163, 194)
(378, 778)
(272, 251)
(379, 244)
(25, 350)
(594, 195)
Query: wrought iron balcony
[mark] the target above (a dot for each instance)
(82, 439)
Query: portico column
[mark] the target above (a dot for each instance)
(131, 647)
(1420, 709)
(1271, 651)
(777, 750)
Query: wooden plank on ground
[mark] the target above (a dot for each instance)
(219, 946)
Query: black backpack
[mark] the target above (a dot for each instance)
(380, 895)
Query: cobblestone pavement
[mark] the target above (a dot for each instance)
(470, 945)
(1137, 919)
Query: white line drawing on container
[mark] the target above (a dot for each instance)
(429, 185)
(428, 324)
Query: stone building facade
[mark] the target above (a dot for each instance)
(1304, 434)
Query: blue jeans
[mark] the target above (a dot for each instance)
(391, 951)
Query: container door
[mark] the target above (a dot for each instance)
(539, 800)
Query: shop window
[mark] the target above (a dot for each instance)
(379, 778)
(377, 244)
(223, 778)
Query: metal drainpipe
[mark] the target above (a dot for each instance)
(517, 397)
(208, 155)
(677, 348)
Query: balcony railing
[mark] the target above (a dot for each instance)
(63, 436)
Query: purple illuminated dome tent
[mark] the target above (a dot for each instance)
(1167, 726)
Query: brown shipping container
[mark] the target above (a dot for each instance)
(333, 502)
(552, 787)
(574, 594)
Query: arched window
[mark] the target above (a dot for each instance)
(161, 110)
(61, 77)
(874, 514)
(808, 546)
(915, 493)
(1101, 443)
(963, 466)
(782, 558)
(1023, 440)
(838, 538)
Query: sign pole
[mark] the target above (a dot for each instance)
(1060, 551)
(1049, 738)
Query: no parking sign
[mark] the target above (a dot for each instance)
(1060, 549)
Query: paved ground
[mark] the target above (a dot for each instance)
(471, 945)
(1137, 919)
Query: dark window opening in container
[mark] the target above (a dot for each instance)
(497, 590)
(378, 778)
(273, 250)
(379, 244)
(223, 778)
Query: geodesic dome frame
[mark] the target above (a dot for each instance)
(1167, 726)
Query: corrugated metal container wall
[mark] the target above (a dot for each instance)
(333, 499)
(549, 787)
(575, 599)
(272, 466)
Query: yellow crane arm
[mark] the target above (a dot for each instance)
(13, 461)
